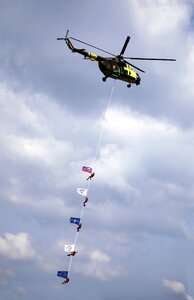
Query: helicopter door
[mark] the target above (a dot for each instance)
(115, 69)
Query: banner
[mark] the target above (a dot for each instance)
(83, 192)
(63, 274)
(75, 220)
(87, 169)
(69, 248)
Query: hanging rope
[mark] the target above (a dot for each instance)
(75, 241)
(102, 129)
(96, 157)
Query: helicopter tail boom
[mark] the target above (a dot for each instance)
(69, 44)
(73, 49)
(91, 56)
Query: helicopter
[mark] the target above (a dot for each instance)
(116, 66)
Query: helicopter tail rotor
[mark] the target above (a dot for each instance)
(63, 39)
(68, 42)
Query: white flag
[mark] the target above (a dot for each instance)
(69, 248)
(83, 192)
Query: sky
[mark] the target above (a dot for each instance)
(137, 238)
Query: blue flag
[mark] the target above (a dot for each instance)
(63, 274)
(75, 220)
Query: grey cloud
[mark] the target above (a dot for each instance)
(137, 226)
(5, 276)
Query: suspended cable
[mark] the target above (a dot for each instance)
(95, 159)
(103, 124)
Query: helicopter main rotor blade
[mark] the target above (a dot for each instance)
(144, 58)
(125, 46)
(134, 66)
(92, 46)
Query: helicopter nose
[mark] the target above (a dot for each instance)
(102, 66)
(106, 65)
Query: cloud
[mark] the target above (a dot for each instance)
(5, 276)
(98, 265)
(34, 143)
(98, 256)
(177, 288)
(160, 14)
(17, 247)
(140, 210)
(136, 143)
(21, 292)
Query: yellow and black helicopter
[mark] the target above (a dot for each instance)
(116, 67)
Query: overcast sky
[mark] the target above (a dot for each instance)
(137, 239)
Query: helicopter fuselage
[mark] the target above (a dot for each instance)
(116, 69)
(112, 67)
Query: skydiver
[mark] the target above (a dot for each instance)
(79, 227)
(72, 253)
(65, 281)
(85, 201)
(90, 177)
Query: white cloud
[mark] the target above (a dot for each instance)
(17, 247)
(167, 32)
(174, 286)
(29, 133)
(177, 288)
(98, 256)
(39, 141)
(162, 16)
(99, 266)
(137, 143)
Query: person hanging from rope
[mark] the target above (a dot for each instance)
(65, 281)
(79, 227)
(85, 201)
(91, 176)
(76, 221)
(63, 274)
(72, 253)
